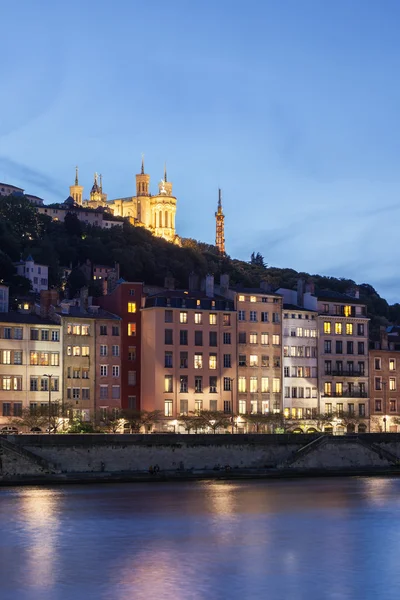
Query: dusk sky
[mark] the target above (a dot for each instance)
(290, 106)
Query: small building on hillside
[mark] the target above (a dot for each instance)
(37, 274)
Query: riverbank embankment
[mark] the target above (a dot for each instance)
(37, 459)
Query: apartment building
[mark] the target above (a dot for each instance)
(300, 362)
(343, 355)
(92, 362)
(188, 352)
(384, 381)
(30, 364)
(259, 348)
(37, 274)
(126, 301)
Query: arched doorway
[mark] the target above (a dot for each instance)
(312, 430)
(362, 428)
(340, 430)
(328, 429)
(351, 428)
(297, 430)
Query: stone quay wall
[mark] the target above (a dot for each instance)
(52, 456)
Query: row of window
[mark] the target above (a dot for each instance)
(339, 345)
(242, 298)
(256, 384)
(197, 360)
(198, 384)
(77, 373)
(343, 328)
(12, 409)
(349, 370)
(104, 350)
(36, 384)
(379, 405)
(378, 364)
(298, 316)
(198, 407)
(300, 351)
(198, 318)
(262, 338)
(300, 392)
(11, 357)
(380, 383)
(352, 390)
(78, 329)
(104, 330)
(104, 369)
(306, 372)
(300, 332)
(16, 333)
(344, 310)
(254, 360)
(339, 408)
(198, 338)
(45, 359)
(77, 350)
(253, 316)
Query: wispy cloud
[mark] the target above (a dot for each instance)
(28, 176)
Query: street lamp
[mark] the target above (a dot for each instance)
(384, 383)
(233, 425)
(49, 378)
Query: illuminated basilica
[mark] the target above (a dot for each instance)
(155, 213)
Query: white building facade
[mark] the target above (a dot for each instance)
(38, 275)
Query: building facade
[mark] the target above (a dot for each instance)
(37, 274)
(126, 301)
(343, 355)
(300, 362)
(259, 348)
(30, 364)
(384, 382)
(188, 353)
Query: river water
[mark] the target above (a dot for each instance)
(301, 539)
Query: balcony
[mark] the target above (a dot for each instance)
(346, 373)
(346, 394)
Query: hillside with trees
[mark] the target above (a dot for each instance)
(142, 257)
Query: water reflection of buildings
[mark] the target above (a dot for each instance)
(40, 509)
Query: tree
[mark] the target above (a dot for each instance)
(190, 422)
(76, 281)
(32, 420)
(259, 422)
(111, 421)
(72, 224)
(21, 217)
(257, 260)
(141, 418)
(215, 419)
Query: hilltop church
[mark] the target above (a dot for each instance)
(155, 213)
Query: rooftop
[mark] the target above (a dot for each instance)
(331, 295)
(256, 291)
(75, 311)
(30, 319)
(296, 307)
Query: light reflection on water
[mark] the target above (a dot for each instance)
(323, 538)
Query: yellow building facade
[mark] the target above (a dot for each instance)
(155, 213)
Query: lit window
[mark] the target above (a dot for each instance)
(347, 311)
(183, 317)
(168, 408)
(213, 319)
(242, 384)
(85, 330)
(392, 383)
(253, 361)
(198, 318)
(264, 384)
(198, 361)
(168, 383)
(212, 362)
(327, 389)
(76, 350)
(253, 338)
(131, 328)
(299, 332)
(276, 385)
(339, 389)
(85, 350)
(392, 364)
(276, 340)
(131, 307)
(253, 299)
(242, 407)
(349, 328)
(264, 339)
(241, 298)
(338, 328)
(253, 385)
(327, 326)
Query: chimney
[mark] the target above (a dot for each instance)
(47, 299)
(84, 299)
(224, 283)
(193, 282)
(384, 338)
(169, 282)
(266, 286)
(210, 286)
(300, 292)
(310, 287)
